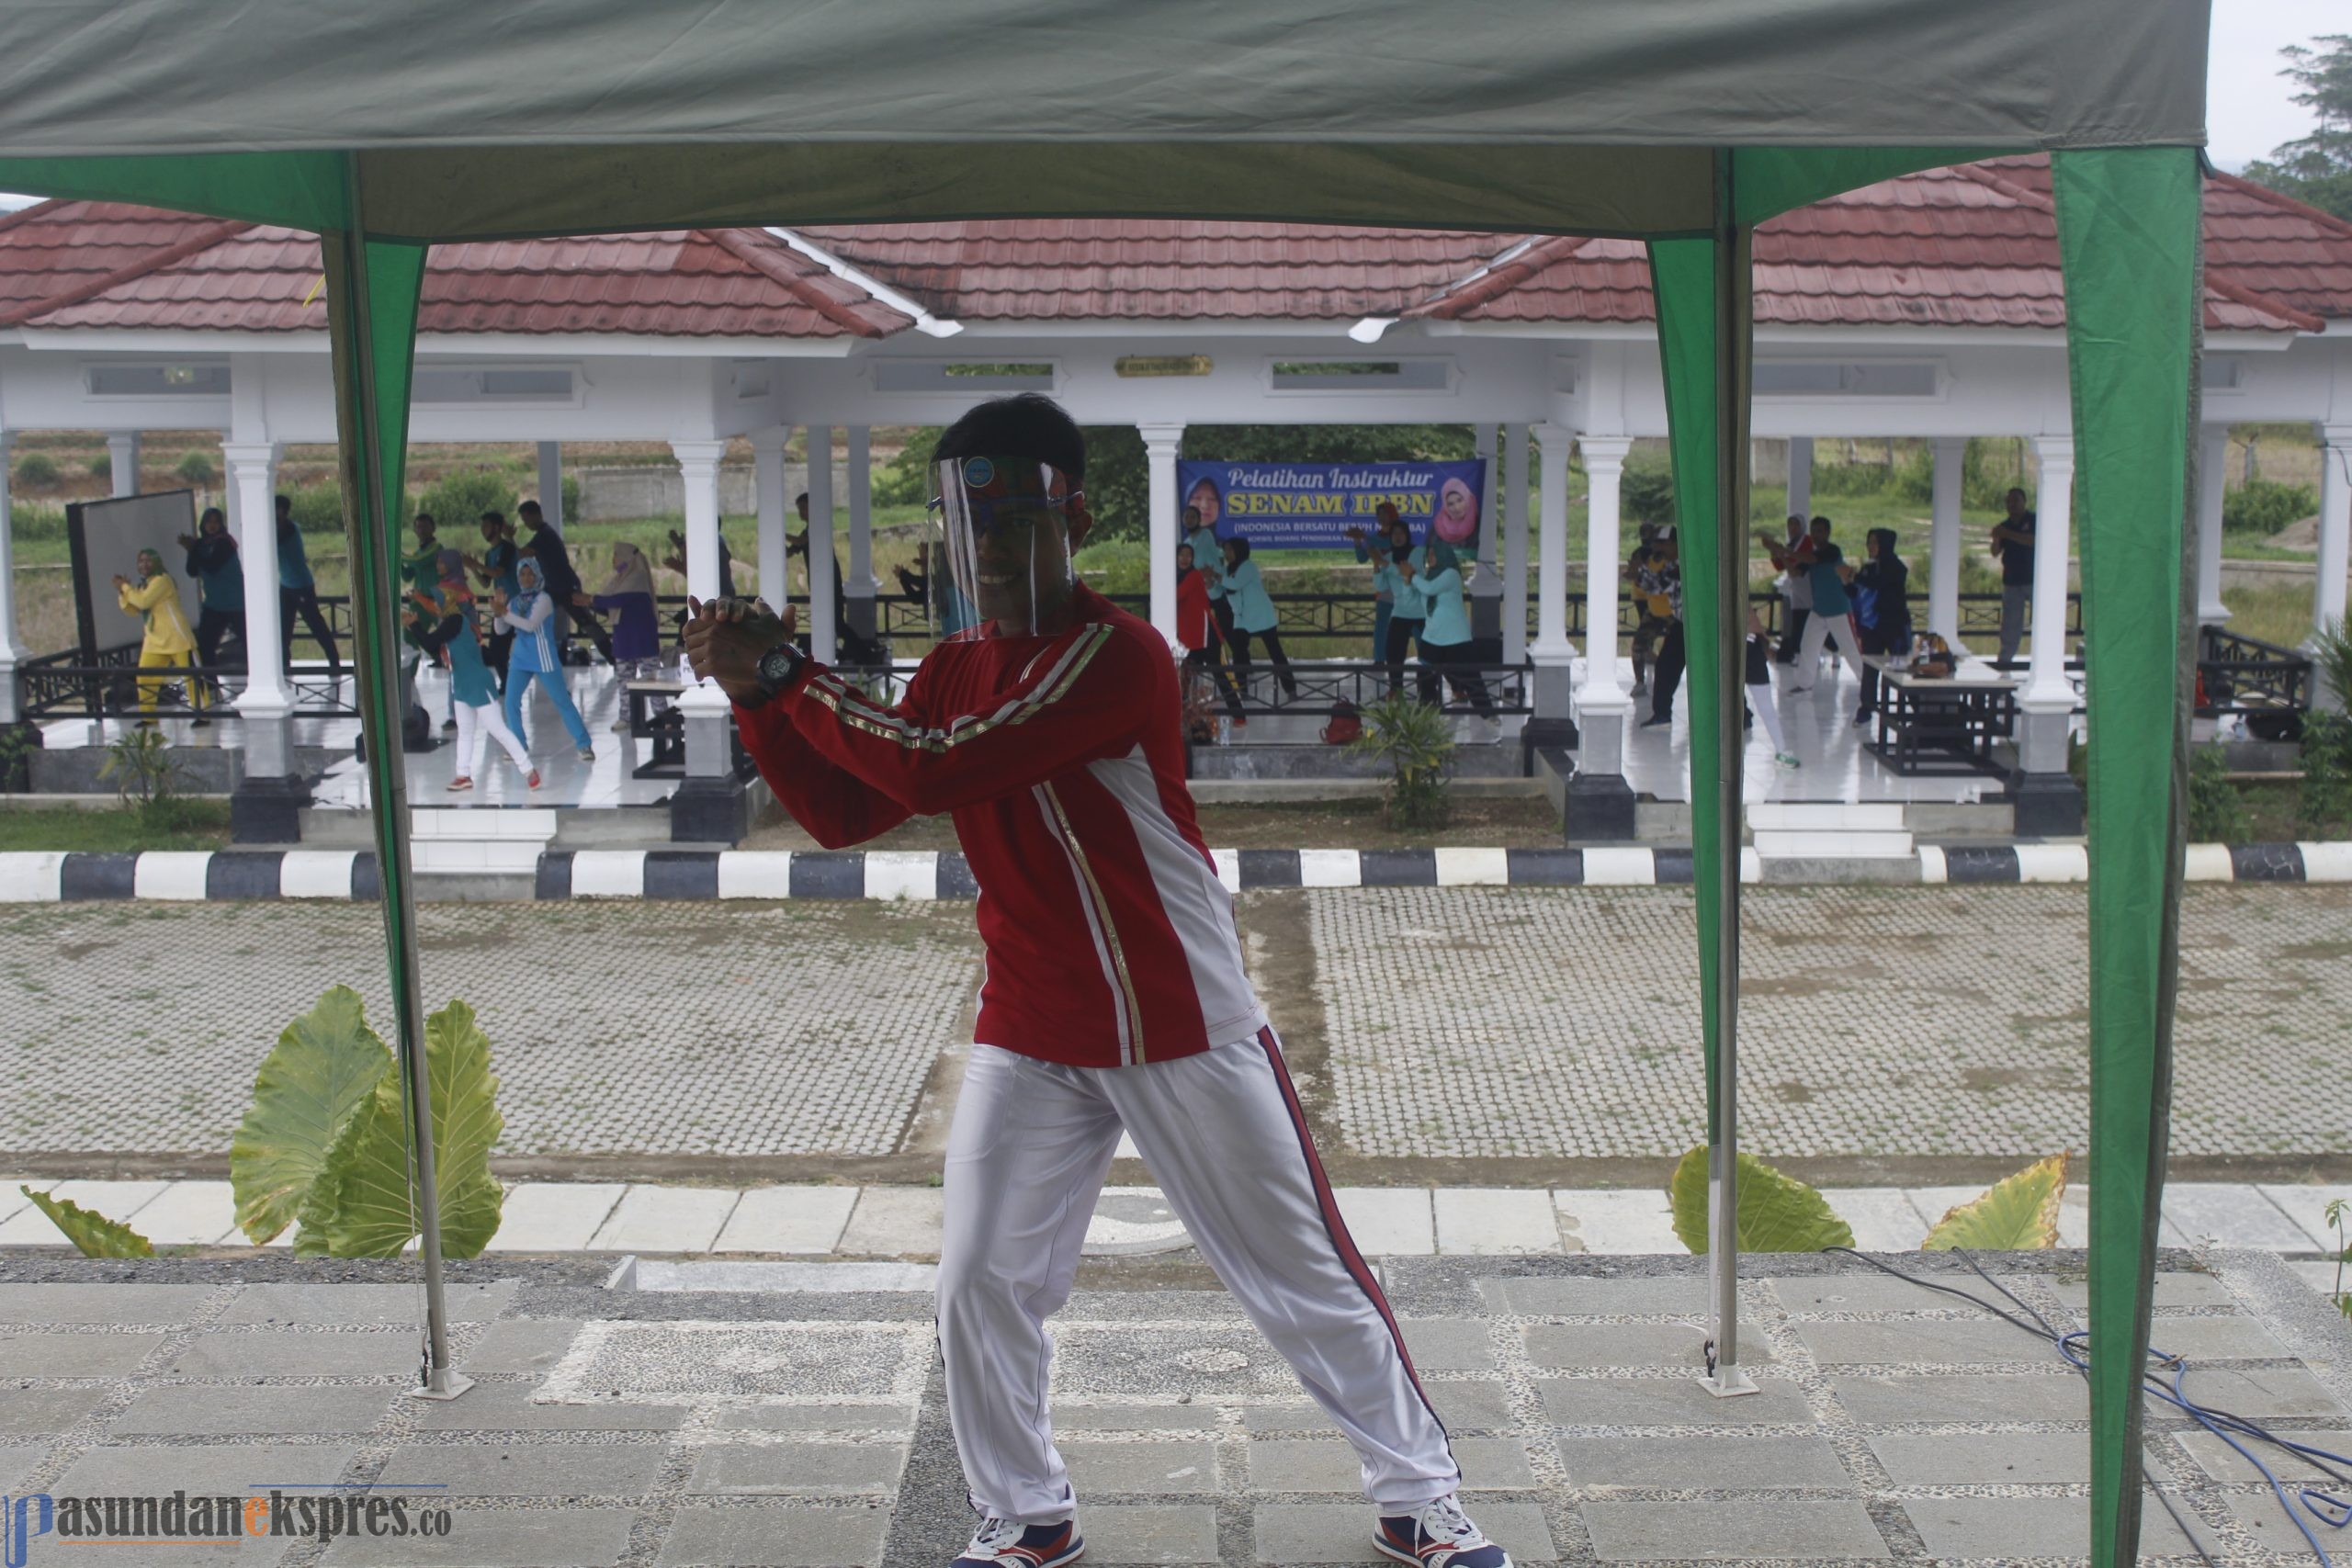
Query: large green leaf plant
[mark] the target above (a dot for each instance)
(324, 1145)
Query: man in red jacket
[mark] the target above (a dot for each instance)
(1114, 994)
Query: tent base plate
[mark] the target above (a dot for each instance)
(1728, 1382)
(445, 1384)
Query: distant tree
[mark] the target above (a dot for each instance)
(2317, 169)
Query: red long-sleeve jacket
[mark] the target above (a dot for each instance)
(1110, 938)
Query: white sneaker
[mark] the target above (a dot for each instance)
(1440, 1536)
(1026, 1546)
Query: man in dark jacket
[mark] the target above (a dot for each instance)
(561, 581)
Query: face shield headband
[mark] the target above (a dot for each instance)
(1003, 533)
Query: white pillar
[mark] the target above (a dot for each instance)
(11, 650)
(703, 703)
(1553, 655)
(824, 635)
(1801, 475)
(122, 452)
(770, 502)
(2047, 700)
(1944, 547)
(252, 480)
(861, 581)
(552, 484)
(2335, 532)
(1515, 544)
(1159, 444)
(1604, 469)
(2212, 474)
(698, 464)
(1601, 701)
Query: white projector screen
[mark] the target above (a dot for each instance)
(106, 536)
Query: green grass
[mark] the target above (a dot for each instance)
(2280, 615)
(172, 825)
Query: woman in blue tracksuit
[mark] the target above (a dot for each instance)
(530, 616)
(1445, 637)
(1253, 616)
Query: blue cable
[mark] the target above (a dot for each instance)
(2325, 1506)
(2316, 1502)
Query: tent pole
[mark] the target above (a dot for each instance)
(1728, 651)
(371, 451)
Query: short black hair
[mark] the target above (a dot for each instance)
(497, 517)
(426, 517)
(528, 509)
(1823, 524)
(1030, 424)
(285, 503)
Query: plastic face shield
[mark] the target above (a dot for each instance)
(1002, 532)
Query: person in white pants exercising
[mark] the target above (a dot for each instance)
(1832, 612)
(1114, 995)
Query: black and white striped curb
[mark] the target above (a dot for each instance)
(223, 876)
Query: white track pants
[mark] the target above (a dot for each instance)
(1768, 713)
(477, 727)
(1818, 630)
(1223, 1134)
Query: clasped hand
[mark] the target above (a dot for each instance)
(726, 638)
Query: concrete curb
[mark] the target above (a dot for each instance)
(231, 875)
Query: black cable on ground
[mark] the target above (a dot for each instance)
(2326, 1507)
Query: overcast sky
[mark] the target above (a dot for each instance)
(2246, 111)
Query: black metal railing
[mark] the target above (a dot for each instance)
(2245, 675)
(1319, 687)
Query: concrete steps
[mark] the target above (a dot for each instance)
(1811, 831)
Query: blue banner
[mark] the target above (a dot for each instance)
(1311, 506)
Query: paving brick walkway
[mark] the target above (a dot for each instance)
(1906, 1027)
(644, 1427)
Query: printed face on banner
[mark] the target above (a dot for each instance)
(1311, 506)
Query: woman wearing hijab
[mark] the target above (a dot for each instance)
(1881, 610)
(1445, 636)
(441, 622)
(164, 637)
(1457, 522)
(1253, 615)
(1408, 610)
(221, 586)
(628, 594)
(530, 615)
(1373, 547)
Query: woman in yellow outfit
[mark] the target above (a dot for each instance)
(155, 599)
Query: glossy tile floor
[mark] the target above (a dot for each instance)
(1835, 767)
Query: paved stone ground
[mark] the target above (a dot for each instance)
(1875, 1021)
(1918, 1027)
(672, 1428)
(780, 1029)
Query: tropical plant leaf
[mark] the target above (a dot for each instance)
(369, 1213)
(2017, 1213)
(323, 1067)
(97, 1235)
(311, 1220)
(1777, 1212)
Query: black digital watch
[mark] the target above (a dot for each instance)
(778, 665)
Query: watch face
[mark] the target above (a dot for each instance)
(775, 664)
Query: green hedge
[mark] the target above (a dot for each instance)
(2265, 506)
